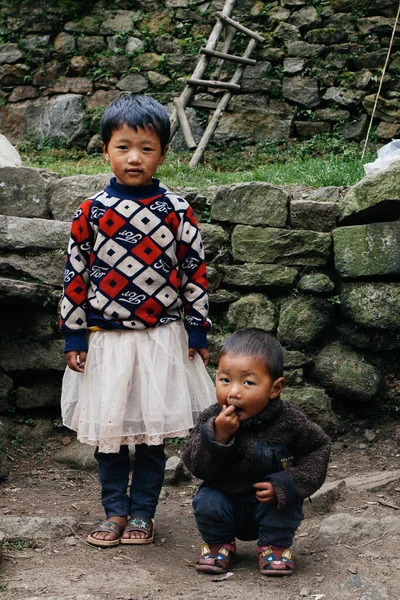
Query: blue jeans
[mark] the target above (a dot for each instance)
(221, 518)
(146, 484)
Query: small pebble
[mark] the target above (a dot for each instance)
(70, 540)
(304, 592)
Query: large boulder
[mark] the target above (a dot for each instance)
(62, 120)
(69, 192)
(25, 192)
(345, 373)
(280, 246)
(214, 239)
(376, 197)
(253, 203)
(46, 267)
(254, 310)
(19, 233)
(25, 356)
(303, 321)
(372, 305)
(367, 250)
(315, 403)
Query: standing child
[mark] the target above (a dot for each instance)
(134, 317)
(259, 457)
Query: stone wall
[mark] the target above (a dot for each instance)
(318, 70)
(321, 270)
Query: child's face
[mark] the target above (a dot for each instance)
(245, 383)
(134, 156)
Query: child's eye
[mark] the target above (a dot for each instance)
(223, 380)
(147, 149)
(121, 147)
(247, 382)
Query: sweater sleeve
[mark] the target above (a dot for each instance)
(202, 454)
(194, 284)
(73, 322)
(311, 449)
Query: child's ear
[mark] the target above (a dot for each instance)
(277, 387)
(105, 152)
(163, 155)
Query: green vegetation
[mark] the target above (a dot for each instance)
(321, 161)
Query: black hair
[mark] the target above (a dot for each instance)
(257, 343)
(138, 112)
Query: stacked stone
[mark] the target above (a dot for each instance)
(319, 269)
(318, 70)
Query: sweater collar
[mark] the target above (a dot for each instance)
(120, 190)
(267, 414)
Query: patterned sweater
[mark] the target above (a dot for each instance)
(280, 444)
(135, 260)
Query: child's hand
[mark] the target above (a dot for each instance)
(265, 492)
(226, 424)
(76, 360)
(204, 353)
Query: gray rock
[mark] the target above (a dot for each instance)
(372, 305)
(254, 310)
(342, 97)
(293, 359)
(64, 43)
(88, 45)
(46, 267)
(315, 403)
(60, 120)
(308, 129)
(334, 115)
(25, 192)
(329, 193)
(304, 321)
(367, 250)
(374, 196)
(301, 90)
(292, 66)
(355, 130)
(214, 239)
(174, 471)
(215, 343)
(305, 18)
(316, 283)
(133, 45)
(271, 245)
(223, 297)
(10, 53)
(286, 32)
(24, 356)
(4, 470)
(258, 276)
(77, 456)
(26, 293)
(310, 214)
(44, 393)
(251, 203)
(255, 78)
(326, 497)
(20, 233)
(294, 378)
(178, 143)
(327, 36)
(301, 49)
(36, 528)
(133, 83)
(69, 192)
(120, 21)
(351, 528)
(343, 372)
(157, 80)
(36, 324)
(370, 590)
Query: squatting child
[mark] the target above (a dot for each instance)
(134, 317)
(258, 455)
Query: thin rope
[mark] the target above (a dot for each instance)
(381, 81)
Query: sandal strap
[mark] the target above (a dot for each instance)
(109, 527)
(139, 524)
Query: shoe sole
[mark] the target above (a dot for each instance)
(139, 541)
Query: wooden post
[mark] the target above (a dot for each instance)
(229, 34)
(202, 64)
(187, 134)
(212, 125)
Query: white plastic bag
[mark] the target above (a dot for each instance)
(9, 157)
(386, 155)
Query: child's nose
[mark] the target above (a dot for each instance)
(134, 156)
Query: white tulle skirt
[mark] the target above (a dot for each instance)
(139, 387)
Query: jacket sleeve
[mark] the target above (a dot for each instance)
(73, 322)
(194, 283)
(311, 451)
(202, 454)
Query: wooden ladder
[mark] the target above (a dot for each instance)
(225, 24)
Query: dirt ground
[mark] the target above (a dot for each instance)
(68, 568)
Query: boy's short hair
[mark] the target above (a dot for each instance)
(256, 342)
(138, 112)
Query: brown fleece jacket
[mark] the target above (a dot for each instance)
(280, 444)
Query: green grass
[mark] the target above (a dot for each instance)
(321, 161)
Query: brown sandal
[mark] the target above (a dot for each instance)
(110, 527)
(274, 561)
(216, 558)
(146, 526)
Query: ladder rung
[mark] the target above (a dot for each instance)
(213, 84)
(240, 27)
(231, 57)
(207, 104)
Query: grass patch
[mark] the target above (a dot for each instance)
(322, 161)
(18, 546)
